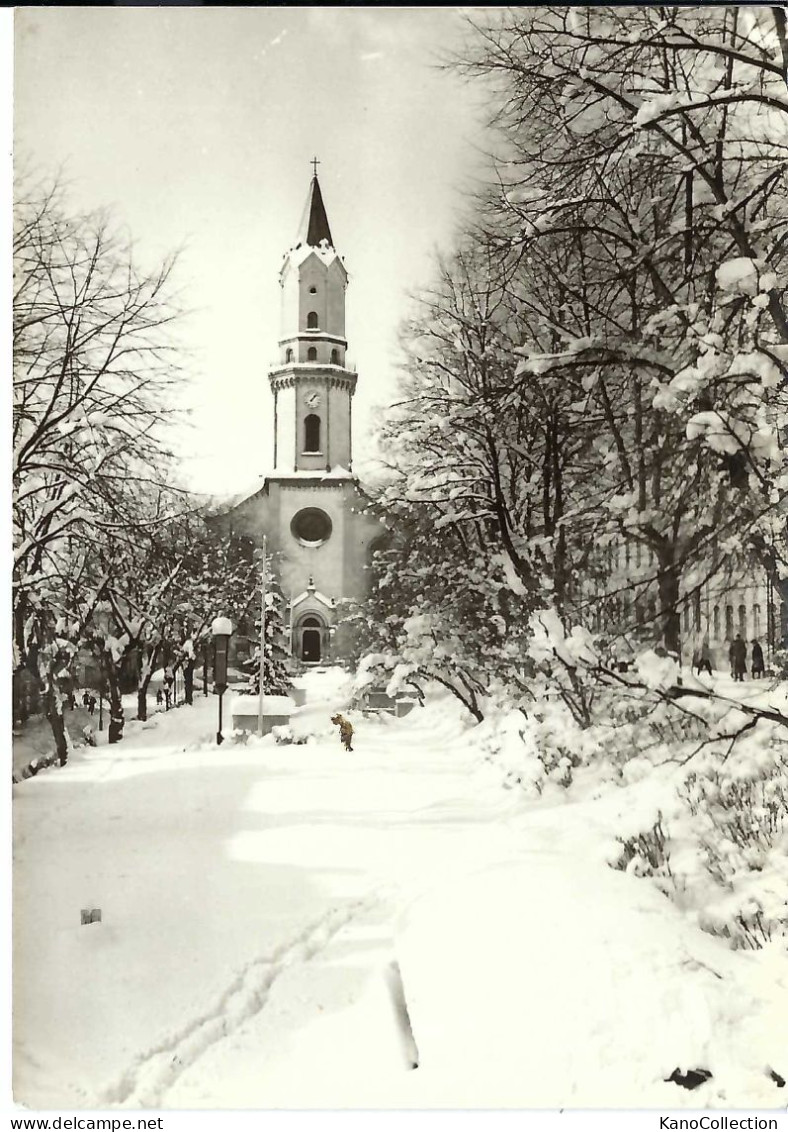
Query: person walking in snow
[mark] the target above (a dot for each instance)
(345, 730)
(757, 660)
(738, 657)
(704, 658)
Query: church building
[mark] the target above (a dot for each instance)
(311, 506)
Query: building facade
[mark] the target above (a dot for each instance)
(715, 603)
(311, 507)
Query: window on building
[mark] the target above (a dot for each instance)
(743, 620)
(335, 357)
(312, 433)
(756, 621)
(728, 622)
(686, 617)
(638, 554)
(311, 354)
(311, 320)
(639, 612)
(652, 610)
(696, 609)
(716, 621)
(311, 526)
(288, 355)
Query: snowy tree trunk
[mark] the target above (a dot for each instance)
(668, 577)
(188, 681)
(54, 710)
(116, 718)
(146, 674)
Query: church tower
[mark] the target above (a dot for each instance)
(311, 506)
(313, 385)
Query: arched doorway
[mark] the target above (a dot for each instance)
(311, 640)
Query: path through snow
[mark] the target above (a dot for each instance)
(253, 901)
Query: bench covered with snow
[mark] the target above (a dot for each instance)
(276, 712)
(378, 699)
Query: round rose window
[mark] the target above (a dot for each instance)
(311, 526)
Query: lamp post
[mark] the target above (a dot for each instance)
(221, 630)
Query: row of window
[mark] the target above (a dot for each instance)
(744, 625)
(311, 356)
(736, 619)
(621, 555)
(621, 609)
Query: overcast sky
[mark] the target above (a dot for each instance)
(197, 126)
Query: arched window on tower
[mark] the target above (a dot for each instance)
(288, 355)
(311, 354)
(335, 357)
(312, 433)
(311, 320)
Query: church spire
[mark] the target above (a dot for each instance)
(314, 228)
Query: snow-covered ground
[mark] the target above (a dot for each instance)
(296, 926)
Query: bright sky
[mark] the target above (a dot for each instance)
(197, 126)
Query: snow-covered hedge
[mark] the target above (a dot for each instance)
(716, 844)
(722, 851)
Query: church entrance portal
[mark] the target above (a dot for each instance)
(311, 641)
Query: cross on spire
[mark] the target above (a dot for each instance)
(314, 163)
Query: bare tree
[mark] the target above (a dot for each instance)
(94, 364)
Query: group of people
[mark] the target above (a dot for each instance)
(738, 658)
(737, 655)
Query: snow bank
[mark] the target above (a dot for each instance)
(549, 984)
(272, 705)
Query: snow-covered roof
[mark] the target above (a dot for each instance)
(336, 473)
(220, 505)
(327, 601)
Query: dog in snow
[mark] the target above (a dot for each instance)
(345, 730)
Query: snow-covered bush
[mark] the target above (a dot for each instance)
(739, 815)
(647, 853)
(723, 853)
(537, 746)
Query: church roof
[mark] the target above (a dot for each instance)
(314, 228)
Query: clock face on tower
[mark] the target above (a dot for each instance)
(312, 400)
